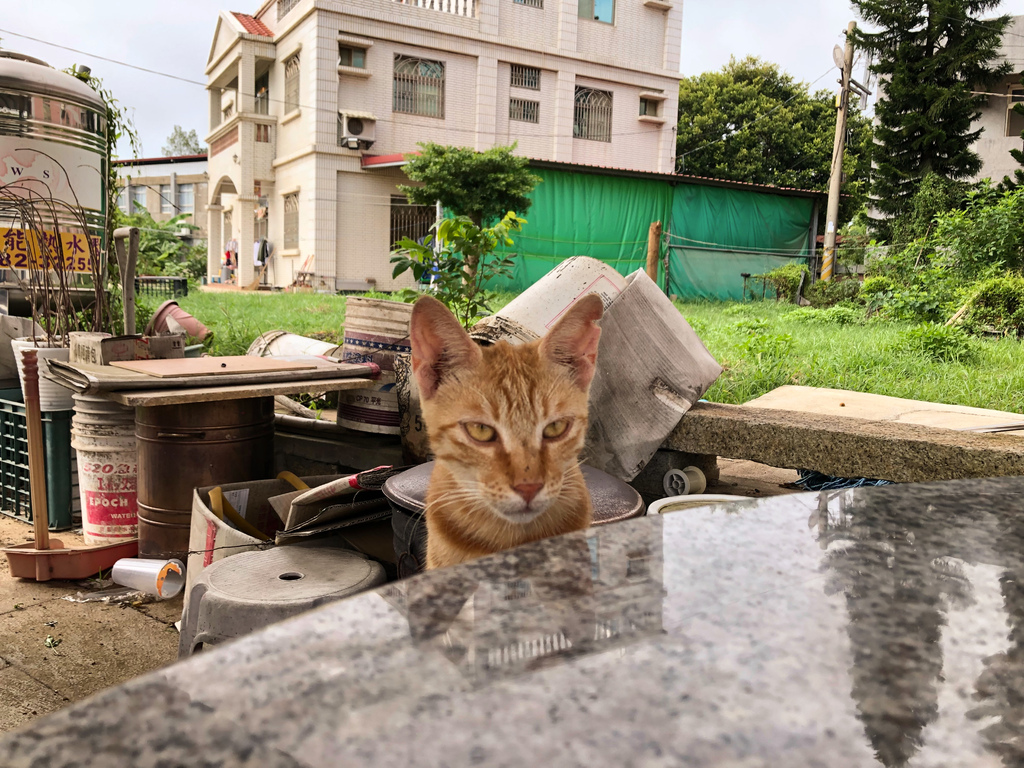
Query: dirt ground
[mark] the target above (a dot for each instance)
(96, 645)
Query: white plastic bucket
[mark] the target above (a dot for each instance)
(284, 344)
(533, 312)
(103, 436)
(52, 396)
(376, 331)
(371, 410)
(678, 503)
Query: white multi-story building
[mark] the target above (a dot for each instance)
(312, 103)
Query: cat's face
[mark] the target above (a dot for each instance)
(508, 421)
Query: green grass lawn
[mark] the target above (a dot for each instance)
(749, 340)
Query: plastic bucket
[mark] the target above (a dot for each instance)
(103, 436)
(376, 331)
(284, 344)
(371, 410)
(533, 312)
(52, 396)
(677, 503)
(170, 310)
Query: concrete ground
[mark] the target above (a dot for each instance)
(94, 645)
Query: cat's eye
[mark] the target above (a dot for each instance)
(556, 429)
(480, 432)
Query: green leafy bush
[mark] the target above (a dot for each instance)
(997, 306)
(828, 294)
(785, 280)
(841, 314)
(940, 343)
(751, 325)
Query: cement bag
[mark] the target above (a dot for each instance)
(651, 369)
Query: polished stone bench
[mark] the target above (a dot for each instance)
(866, 627)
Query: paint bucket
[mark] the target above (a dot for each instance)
(52, 396)
(169, 315)
(103, 436)
(376, 331)
(371, 410)
(163, 578)
(533, 312)
(284, 344)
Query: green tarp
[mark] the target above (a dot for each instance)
(714, 233)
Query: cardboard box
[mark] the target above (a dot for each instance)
(104, 349)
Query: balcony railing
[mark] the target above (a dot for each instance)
(465, 8)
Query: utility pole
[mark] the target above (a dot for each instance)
(836, 179)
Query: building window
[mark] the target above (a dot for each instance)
(138, 198)
(283, 6)
(1014, 121)
(598, 10)
(410, 221)
(262, 133)
(166, 204)
(227, 112)
(648, 108)
(263, 94)
(418, 86)
(525, 77)
(122, 199)
(186, 198)
(592, 116)
(291, 84)
(530, 3)
(291, 221)
(523, 110)
(351, 57)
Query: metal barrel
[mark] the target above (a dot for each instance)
(183, 447)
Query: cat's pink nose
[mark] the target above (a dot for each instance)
(528, 490)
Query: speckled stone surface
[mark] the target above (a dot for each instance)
(879, 626)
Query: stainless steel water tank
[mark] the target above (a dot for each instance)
(52, 151)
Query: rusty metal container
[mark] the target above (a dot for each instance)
(183, 447)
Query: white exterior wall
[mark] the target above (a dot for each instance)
(994, 145)
(344, 210)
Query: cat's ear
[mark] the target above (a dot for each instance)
(573, 340)
(439, 344)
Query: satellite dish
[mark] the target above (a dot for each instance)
(839, 57)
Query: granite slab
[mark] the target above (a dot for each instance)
(878, 626)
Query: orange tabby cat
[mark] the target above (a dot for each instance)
(506, 425)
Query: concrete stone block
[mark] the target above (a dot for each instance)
(845, 447)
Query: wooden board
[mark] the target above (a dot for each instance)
(151, 397)
(210, 366)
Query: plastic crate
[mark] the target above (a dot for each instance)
(61, 478)
(161, 286)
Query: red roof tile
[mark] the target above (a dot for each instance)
(252, 25)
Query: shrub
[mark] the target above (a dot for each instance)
(841, 314)
(823, 294)
(940, 343)
(997, 306)
(785, 281)
(752, 325)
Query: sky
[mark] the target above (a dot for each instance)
(174, 37)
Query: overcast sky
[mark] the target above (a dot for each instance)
(175, 36)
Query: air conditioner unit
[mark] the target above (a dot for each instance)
(356, 130)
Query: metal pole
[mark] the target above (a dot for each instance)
(836, 179)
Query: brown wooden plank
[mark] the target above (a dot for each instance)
(150, 397)
(211, 366)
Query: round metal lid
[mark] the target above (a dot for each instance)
(613, 499)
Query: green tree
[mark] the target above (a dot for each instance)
(750, 121)
(481, 185)
(931, 56)
(182, 142)
(161, 250)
